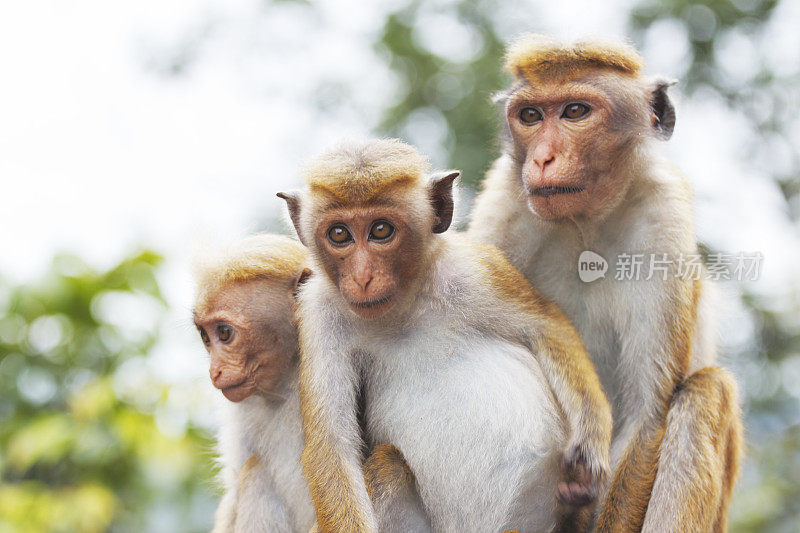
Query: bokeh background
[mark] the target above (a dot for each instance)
(134, 134)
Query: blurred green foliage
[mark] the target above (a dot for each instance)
(706, 21)
(457, 89)
(80, 449)
(757, 85)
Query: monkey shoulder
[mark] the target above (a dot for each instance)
(658, 216)
(499, 208)
(314, 291)
(495, 288)
(504, 280)
(498, 177)
(460, 268)
(318, 308)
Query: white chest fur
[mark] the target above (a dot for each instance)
(503, 438)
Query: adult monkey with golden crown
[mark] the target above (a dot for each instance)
(581, 170)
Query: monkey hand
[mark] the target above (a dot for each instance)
(583, 469)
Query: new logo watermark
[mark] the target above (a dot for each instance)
(591, 266)
(741, 266)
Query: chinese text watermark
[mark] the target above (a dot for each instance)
(718, 266)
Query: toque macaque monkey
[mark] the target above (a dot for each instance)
(582, 170)
(244, 311)
(477, 380)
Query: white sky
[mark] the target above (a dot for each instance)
(99, 154)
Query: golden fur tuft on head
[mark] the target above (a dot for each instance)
(355, 172)
(262, 256)
(536, 56)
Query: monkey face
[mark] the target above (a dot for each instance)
(568, 146)
(248, 330)
(368, 215)
(371, 254)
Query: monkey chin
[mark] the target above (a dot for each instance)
(237, 393)
(372, 309)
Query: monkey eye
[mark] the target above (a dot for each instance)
(575, 110)
(224, 332)
(380, 231)
(338, 234)
(204, 335)
(530, 115)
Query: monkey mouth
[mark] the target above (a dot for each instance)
(552, 190)
(237, 392)
(371, 303)
(233, 386)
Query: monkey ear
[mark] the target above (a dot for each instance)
(293, 203)
(301, 278)
(662, 108)
(441, 196)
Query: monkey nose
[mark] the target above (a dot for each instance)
(363, 280)
(543, 155)
(543, 161)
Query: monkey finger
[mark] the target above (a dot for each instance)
(574, 495)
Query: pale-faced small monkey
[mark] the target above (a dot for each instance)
(245, 313)
(582, 170)
(480, 382)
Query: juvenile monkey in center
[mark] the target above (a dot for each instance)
(582, 170)
(479, 381)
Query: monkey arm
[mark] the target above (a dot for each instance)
(697, 463)
(331, 458)
(699, 457)
(393, 491)
(564, 361)
(660, 330)
(575, 383)
(225, 516)
(232, 454)
(258, 506)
